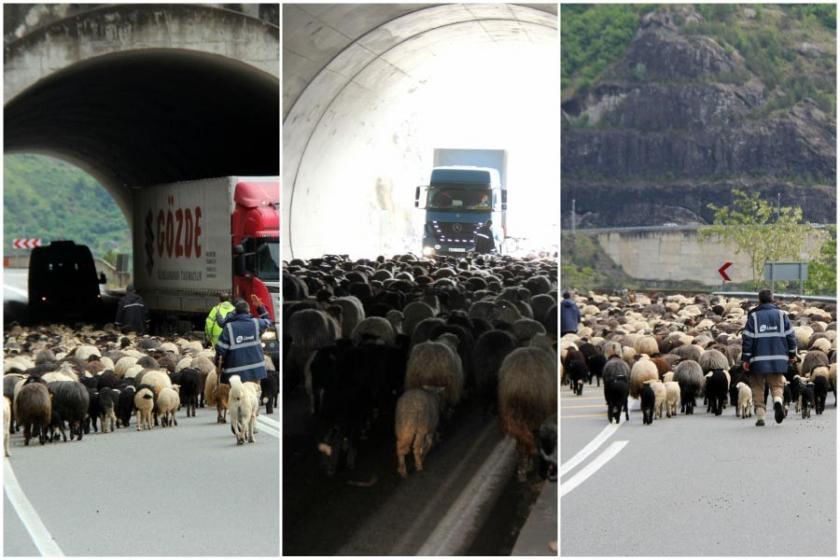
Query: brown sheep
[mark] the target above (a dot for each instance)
(417, 416)
(222, 395)
(33, 410)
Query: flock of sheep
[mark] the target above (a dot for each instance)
(405, 340)
(671, 350)
(57, 378)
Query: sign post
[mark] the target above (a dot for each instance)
(724, 275)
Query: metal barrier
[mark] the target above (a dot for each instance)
(828, 299)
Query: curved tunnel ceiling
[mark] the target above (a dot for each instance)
(139, 95)
(361, 134)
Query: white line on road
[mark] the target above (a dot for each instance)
(269, 420)
(267, 428)
(590, 448)
(29, 517)
(591, 468)
(24, 293)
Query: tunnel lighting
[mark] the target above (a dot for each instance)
(428, 251)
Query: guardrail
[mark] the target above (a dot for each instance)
(828, 299)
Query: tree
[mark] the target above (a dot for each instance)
(822, 271)
(758, 230)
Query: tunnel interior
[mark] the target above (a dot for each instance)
(488, 83)
(145, 117)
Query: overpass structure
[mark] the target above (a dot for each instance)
(368, 91)
(144, 94)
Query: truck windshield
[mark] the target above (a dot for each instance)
(459, 198)
(268, 259)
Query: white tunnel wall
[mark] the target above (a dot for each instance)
(488, 84)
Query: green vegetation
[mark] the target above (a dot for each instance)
(593, 36)
(822, 271)
(51, 199)
(759, 230)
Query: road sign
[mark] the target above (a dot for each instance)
(26, 243)
(722, 271)
(786, 271)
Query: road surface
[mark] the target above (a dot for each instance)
(696, 485)
(371, 510)
(182, 491)
(15, 284)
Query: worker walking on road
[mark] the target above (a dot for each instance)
(484, 242)
(132, 313)
(215, 319)
(239, 350)
(569, 315)
(768, 344)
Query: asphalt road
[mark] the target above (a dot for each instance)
(371, 510)
(182, 491)
(15, 284)
(697, 485)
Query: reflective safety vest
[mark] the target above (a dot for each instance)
(768, 340)
(212, 328)
(240, 349)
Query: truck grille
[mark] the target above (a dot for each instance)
(453, 231)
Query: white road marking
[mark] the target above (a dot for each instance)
(269, 420)
(29, 517)
(590, 448)
(599, 405)
(24, 293)
(267, 428)
(590, 469)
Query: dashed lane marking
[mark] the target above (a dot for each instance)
(565, 406)
(18, 291)
(582, 416)
(41, 537)
(589, 448)
(590, 469)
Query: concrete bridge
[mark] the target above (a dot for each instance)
(370, 90)
(677, 253)
(144, 94)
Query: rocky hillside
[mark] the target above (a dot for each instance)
(699, 101)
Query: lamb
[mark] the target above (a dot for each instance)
(672, 389)
(616, 389)
(243, 409)
(416, 420)
(434, 364)
(806, 396)
(660, 394)
(33, 410)
(717, 386)
(745, 400)
(689, 376)
(144, 402)
(648, 398)
(527, 396)
(643, 370)
(167, 403)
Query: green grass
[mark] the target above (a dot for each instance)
(48, 198)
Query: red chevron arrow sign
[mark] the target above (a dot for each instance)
(722, 271)
(26, 243)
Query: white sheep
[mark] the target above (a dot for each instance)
(243, 403)
(660, 393)
(168, 401)
(672, 396)
(745, 402)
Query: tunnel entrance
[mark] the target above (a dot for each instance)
(145, 117)
(354, 152)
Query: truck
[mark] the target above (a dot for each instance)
(63, 284)
(194, 240)
(466, 189)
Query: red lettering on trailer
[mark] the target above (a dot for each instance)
(197, 230)
(188, 231)
(179, 246)
(161, 221)
(179, 229)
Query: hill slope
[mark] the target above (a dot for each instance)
(666, 111)
(47, 198)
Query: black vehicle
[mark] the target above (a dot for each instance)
(63, 283)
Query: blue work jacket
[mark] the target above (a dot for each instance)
(767, 341)
(239, 348)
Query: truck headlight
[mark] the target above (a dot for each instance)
(428, 251)
(268, 336)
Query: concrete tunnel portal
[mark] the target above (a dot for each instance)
(155, 105)
(371, 91)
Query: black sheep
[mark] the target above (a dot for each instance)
(820, 393)
(648, 402)
(716, 391)
(188, 389)
(806, 395)
(576, 369)
(270, 389)
(109, 398)
(736, 374)
(125, 405)
(488, 354)
(70, 399)
(56, 428)
(616, 391)
(94, 410)
(596, 364)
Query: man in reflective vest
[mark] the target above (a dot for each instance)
(768, 344)
(239, 349)
(215, 319)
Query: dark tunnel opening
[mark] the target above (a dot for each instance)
(153, 116)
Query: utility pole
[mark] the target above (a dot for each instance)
(573, 216)
(778, 206)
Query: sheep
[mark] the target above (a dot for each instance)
(70, 399)
(689, 376)
(243, 409)
(143, 403)
(642, 370)
(616, 389)
(648, 398)
(575, 366)
(669, 376)
(188, 389)
(745, 400)
(125, 405)
(415, 424)
(713, 359)
(374, 328)
(832, 379)
(33, 410)
(660, 394)
(7, 424)
(414, 313)
(109, 399)
(813, 359)
(434, 364)
(489, 352)
(86, 351)
(210, 389)
(167, 403)
(527, 396)
(716, 389)
(221, 397)
(806, 396)
(820, 379)
(158, 379)
(646, 345)
(672, 389)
